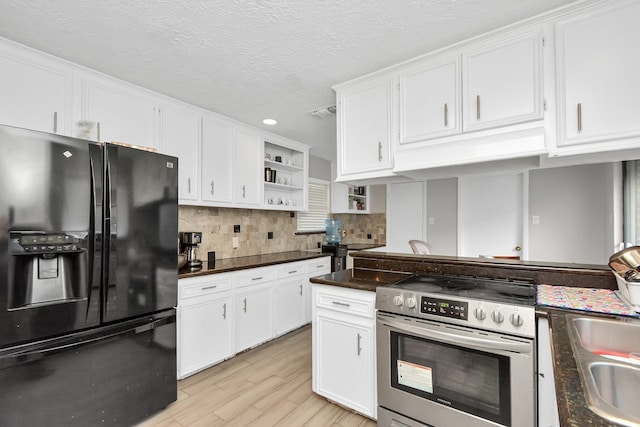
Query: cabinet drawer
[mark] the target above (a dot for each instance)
(291, 269)
(191, 289)
(351, 301)
(317, 267)
(254, 276)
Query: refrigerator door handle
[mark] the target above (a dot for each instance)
(95, 218)
(110, 232)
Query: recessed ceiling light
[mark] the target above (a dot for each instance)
(270, 122)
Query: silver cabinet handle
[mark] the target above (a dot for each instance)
(359, 346)
(55, 122)
(579, 117)
(478, 107)
(300, 290)
(244, 191)
(98, 131)
(344, 304)
(256, 278)
(294, 271)
(224, 311)
(245, 305)
(209, 287)
(379, 151)
(446, 115)
(212, 188)
(189, 185)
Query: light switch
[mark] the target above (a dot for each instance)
(535, 220)
(432, 220)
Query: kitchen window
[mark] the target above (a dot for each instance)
(313, 220)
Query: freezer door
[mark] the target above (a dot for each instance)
(50, 231)
(115, 376)
(141, 214)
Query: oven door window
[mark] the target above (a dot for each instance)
(472, 381)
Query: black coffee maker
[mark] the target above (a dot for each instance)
(189, 240)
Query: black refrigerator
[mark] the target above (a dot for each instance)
(88, 281)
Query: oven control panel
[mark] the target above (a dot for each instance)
(444, 308)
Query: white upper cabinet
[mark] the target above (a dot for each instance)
(217, 157)
(597, 77)
(503, 82)
(35, 93)
(365, 128)
(247, 176)
(429, 100)
(180, 137)
(118, 113)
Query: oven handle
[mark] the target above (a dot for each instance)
(485, 343)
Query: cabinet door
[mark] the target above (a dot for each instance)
(34, 95)
(345, 371)
(180, 137)
(502, 82)
(365, 133)
(120, 113)
(217, 156)
(429, 101)
(253, 317)
(598, 71)
(289, 307)
(247, 171)
(205, 335)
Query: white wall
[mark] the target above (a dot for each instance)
(442, 223)
(575, 206)
(405, 215)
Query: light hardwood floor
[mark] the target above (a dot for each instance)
(267, 386)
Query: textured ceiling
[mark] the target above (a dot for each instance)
(253, 59)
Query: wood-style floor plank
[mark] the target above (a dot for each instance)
(267, 386)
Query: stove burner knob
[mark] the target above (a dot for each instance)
(410, 302)
(479, 313)
(497, 316)
(397, 300)
(516, 319)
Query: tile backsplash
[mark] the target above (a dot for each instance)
(216, 225)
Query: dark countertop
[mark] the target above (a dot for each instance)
(242, 263)
(345, 279)
(572, 406)
(362, 246)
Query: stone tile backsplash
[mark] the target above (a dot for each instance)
(216, 225)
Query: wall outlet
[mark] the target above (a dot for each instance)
(236, 228)
(270, 235)
(235, 242)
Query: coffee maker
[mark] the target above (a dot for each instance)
(189, 240)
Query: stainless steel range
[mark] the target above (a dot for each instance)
(456, 351)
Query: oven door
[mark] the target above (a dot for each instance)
(444, 375)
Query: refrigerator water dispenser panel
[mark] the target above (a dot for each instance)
(46, 269)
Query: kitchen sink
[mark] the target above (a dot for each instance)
(602, 336)
(611, 380)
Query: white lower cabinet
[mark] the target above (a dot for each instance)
(344, 361)
(205, 323)
(254, 307)
(289, 296)
(222, 314)
(289, 305)
(315, 267)
(547, 405)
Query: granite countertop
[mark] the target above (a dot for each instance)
(241, 263)
(362, 246)
(345, 279)
(572, 406)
